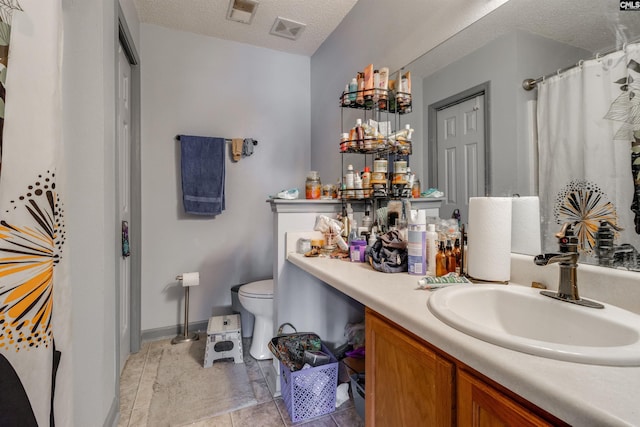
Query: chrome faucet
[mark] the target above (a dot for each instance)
(567, 259)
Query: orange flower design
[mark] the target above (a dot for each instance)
(28, 255)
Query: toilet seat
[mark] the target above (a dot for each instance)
(262, 289)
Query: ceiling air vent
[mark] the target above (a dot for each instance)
(286, 28)
(242, 10)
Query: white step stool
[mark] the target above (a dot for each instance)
(224, 339)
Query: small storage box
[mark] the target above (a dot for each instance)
(224, 339)
(311, 392)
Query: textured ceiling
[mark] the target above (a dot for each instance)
(594, 25)
(208, 17)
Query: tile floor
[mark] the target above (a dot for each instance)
(139, 374)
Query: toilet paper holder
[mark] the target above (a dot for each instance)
(186, 336)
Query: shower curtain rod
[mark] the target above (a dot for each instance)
(530, 84)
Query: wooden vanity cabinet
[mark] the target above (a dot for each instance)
(480, 404)
(409, 382)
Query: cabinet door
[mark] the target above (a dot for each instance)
(481, 405)
(406, 384)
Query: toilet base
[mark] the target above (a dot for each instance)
(262, 334)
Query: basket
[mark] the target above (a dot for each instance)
(311, 392)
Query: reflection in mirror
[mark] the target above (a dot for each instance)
(472, 83)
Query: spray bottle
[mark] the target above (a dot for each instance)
(416, 248)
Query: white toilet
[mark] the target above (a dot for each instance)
(257, 299)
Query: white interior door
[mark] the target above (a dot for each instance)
(124, 184)
(460, 147)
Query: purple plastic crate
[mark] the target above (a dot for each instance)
(311, 392)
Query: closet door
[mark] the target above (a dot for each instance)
(461, 148)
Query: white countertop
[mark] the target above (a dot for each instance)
(580, 394)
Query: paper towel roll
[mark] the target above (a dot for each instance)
(525, 226)
(191, 279)
(489, 238)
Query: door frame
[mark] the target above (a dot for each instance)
(432, 110)
(135, 238)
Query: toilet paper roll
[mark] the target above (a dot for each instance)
(191, 279)
(489, 238)
(525, 226)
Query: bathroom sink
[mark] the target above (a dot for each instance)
(519, 318)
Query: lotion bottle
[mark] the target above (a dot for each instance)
(360, 92)
(366, 182)
(345, 96)
(431, 250)
(353, 90)
(349, 180)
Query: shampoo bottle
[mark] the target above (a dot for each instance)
(431, 249)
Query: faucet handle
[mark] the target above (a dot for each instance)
(567, 241)
(564, 231)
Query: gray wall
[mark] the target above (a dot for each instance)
(88, 85)
(505, 63)
(199, 85)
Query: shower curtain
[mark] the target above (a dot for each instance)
(589, 150)
(35, 301)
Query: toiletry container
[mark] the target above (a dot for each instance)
(313, 185)
(431, 249)
(349, 180)
(416, 248)
(366, 181)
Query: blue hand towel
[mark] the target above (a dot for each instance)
(202, 174)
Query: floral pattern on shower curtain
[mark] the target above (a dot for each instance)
(35, 302)
(588, 130)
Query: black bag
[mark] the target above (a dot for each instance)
(389, 253)
(289, 348)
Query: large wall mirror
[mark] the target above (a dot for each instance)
(482, 69)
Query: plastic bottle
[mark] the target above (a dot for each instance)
(353, 90)
(417, 245)
(349, 180)
(360, 133)
(367, 222)
(376, 85)
(366, 181)
(431, 249)
(357, 184)
(360, 92)
(353, 233)
(345, 96)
